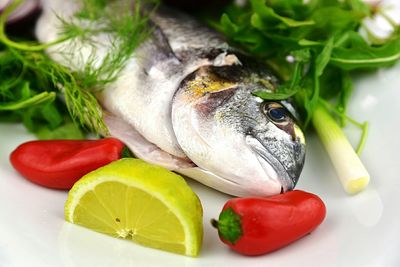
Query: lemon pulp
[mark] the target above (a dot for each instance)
(134, 200)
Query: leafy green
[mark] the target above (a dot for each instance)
(292, 86)
(31, 81)
(26, 96)
(32, 101)
(321, 38)
(264, 17)
(321, 61)
(356, 53)
(67, 131)
(28, 45)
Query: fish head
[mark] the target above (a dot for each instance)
(277, 141)
(252, 144)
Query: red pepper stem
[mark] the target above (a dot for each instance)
(126, 153)
(214, 223)
(229, 225)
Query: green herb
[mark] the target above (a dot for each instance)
(26, 46)
(356, 53)
(128, 29)
(30, 80)
(324, 31)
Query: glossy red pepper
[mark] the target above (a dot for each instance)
(255, 226)
(60, 163)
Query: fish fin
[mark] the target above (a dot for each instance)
(155, 51)
(141, 147)
(212, 100)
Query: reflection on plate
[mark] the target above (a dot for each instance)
(360, 230)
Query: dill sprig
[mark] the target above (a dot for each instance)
(128, 29)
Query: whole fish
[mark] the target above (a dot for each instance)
(184, 101)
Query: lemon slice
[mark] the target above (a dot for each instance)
(134, 200)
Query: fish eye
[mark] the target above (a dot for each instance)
(276, 112)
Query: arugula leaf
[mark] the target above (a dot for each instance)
(23, 103)
(344, 95)
(322, 39)
(301, 55)
(332, 20)
(265, 17)
(281, 95)
(228, 26)
(323, 58)
(66, 131)
(51, 114)
(321, 61)
(358, 54)
(292, 86)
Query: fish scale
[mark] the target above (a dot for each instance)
(178, 28)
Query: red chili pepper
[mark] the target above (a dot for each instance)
(60, 163)
(255, 226)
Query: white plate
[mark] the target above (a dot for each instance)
(360, 230)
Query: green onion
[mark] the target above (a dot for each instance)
(349, 168)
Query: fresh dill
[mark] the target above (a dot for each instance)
(78, 87)
(128, 29)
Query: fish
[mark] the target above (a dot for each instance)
(184, 100)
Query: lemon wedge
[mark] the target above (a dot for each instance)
(135, 200)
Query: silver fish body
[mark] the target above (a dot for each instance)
(184, 101)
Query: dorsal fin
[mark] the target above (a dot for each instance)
(155, 50)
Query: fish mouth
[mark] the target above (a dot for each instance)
(271, 165)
